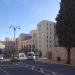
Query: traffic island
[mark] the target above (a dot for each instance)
(14, 60)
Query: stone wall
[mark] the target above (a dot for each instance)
(62, 53)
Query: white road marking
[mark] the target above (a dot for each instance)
(34, 67)
(38, 69)
(7, 73)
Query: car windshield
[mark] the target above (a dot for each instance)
(30, 54)
(21, 55)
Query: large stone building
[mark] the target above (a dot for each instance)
(45, 36)
(27, 41)
(22, 38)
(9, 44)
(2, 45)
(33, 34)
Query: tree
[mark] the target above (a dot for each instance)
(65, 27)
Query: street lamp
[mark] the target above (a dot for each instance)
(14, 29)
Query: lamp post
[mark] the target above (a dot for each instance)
(14, 30)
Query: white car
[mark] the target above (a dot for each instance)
(22, 56)
(31, 55)
(1, 57)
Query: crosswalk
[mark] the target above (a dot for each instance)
(38, 68)
(35, 67)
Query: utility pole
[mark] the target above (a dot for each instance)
(14, 30)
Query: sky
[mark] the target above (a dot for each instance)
(26, 14)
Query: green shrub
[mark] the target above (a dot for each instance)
(15, 60)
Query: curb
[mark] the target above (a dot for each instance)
(55, 62)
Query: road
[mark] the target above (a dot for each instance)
(49, 68)
(8, 68)
(30, 67)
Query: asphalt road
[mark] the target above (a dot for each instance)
(30, 67)
(51, 68)
(8, 68)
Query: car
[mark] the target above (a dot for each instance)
(22, 56)
(1, 57)
(31, 55)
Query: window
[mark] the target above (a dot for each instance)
(33, 35)
(21, 55)
(29, 46)
(33, 46)
(47, 45)
(50, 41)
(39, 45)
(47, 41)
(50, 33)
(47, 37)
(50, 29)
(50, 37)
(39, 29)
(39, 33)
(39, 41)
(39, 25)
(50, 45)
(40, 37)
(33, 41)
(24, 47)
(50, 55)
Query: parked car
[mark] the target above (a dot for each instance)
(31, 55)
(22, 56)
(1, 57)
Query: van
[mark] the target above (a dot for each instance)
(22, 56)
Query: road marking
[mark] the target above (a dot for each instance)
(7, 73)
(38, 69)
(33, 67)
(41, 70)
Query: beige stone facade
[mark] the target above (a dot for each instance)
(29, 42)
(62, 53)
(9, 44)
(33, 34)
(45, 36)
(58, 52)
